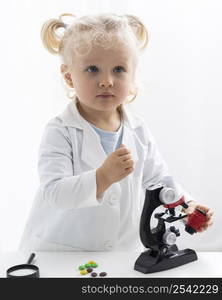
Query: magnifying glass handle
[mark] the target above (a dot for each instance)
(31, 258)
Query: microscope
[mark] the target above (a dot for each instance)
(162, 253)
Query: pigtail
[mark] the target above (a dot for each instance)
(52, 41)
(139, 30)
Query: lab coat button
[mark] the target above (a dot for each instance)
(108, 245)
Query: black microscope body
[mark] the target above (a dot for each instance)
(162, 253)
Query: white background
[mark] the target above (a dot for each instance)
(180, 97)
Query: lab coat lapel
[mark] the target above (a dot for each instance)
(128, 138)
(129, 141)
(93, 153)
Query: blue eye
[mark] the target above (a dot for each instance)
(95, 69)
(92, 68)
(119, 68)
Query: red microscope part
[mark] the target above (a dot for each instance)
(171, 199)
(195, 220)
(175, 204)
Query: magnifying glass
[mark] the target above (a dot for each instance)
(25, 270)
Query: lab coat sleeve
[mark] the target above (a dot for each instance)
(58, 183)
(156, 171)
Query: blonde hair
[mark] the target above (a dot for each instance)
(86, 31)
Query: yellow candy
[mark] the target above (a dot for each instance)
(91, 262)
(83, 272)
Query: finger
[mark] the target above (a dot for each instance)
(210, 223)
(189, 210)
(128, 164)
(128, 170)
(209, 215)
(206, 225)
(210, 212)
(202, 228)
(204, 208)
(125, 173)
(126, 157)
(122, 151)
(209, 218)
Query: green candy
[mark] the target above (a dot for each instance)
(94, 265)
(87, 265)
(81, 267)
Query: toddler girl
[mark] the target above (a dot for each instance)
(97, 158)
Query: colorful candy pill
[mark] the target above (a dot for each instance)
(91, 262)
(94, 265)
(81, 267)
(83, 272)
(89, 270)
(103, 274)
(94, 274)
(87, 265)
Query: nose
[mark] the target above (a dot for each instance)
(105, 84)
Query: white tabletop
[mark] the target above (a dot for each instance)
(115, 264)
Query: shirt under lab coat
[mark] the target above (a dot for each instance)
(66, 214)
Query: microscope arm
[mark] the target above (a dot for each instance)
(149, 237)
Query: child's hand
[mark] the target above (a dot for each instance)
(118, 165)
(190, 210)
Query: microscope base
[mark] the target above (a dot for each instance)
(147, 262)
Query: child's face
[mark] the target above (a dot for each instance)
(104, 70)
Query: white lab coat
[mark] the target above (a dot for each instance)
(66, 215)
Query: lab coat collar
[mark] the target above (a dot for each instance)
(71, 117)
(92, 151)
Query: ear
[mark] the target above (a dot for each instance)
(63, 68)
(67, 76)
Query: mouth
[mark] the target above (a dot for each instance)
(105, 95)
